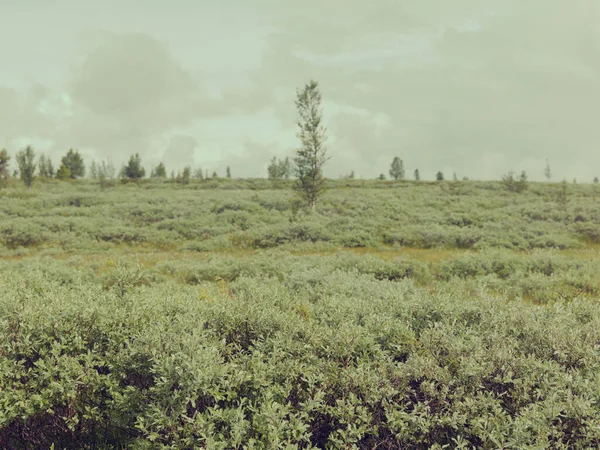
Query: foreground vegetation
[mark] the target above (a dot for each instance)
(221, 315)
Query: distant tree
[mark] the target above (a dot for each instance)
(596, 180)
(106, 170)
(465, 178)
(574, 180)
(547, 171)
(562, 196)
(311, 156)
(199, 174)
(514, 184)
(45, 168)
(26, 161)
(134, 170)
(185, 177)
(454, 176)
(417, 175)
(159, 171)
(74, 163)
(279, 169)
(381, 177)
(93, 170)
(4, 160)
(228, 172)
(214, 174)
(397, 169)
(439, 176)
(63, 173)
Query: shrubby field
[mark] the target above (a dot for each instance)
(222, 315)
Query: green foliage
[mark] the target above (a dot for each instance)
(547, 171)
(185, 177)
(4, 162)
(63, 173)
(45, 167)
(397, 169)
(26, 162)
(279, 169)
(312, 154)
(439, 176)
(134, 169)
(417, 175)
(106, 171)
(74, 162)
(159, 171)
(513, 184)
(228, 172)
(341, 359)
(199, 174)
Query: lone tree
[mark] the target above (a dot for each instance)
(547, 172)
(417, 175)
(27, 165)
(74, 162)
(439, 176)
(4, 159)
(228, 172)
(134, 170)
(312, 154)
(397, 169)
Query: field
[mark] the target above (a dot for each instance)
(223, 315)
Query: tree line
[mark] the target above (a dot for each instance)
(306, 167)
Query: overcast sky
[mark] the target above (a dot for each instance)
(477, 87)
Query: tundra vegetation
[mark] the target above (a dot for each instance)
(223, 313)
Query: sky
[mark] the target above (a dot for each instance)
(476, 87)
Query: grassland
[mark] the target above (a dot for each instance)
(222, 315)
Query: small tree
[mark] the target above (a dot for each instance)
(185, 178)
(513, 184)
(454, 176)
(381, 177)
(74, 163)
(214, 174)
(134, 170)
(417, 175)
(562, 196)
(312, 154)
(106, 170)
(547, 171)
(279, 169)
(228, 172)
(63, 173)
(596, 180)
(4, 159)
(397, 169)
(45, 168)
(26, 161)
(439, 176)
(199, 174)
(93, 170)
(159, 171)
